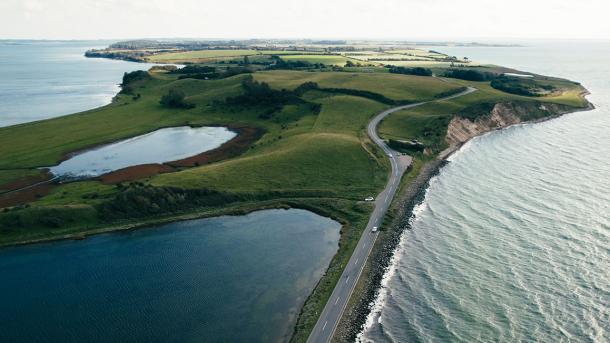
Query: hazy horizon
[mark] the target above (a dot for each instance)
(274, 19)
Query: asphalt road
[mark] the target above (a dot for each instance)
(327, 323)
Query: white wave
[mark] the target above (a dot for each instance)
(382, 295)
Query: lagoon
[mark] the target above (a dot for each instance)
(163, 145)
(230, 278)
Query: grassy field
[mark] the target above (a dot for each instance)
(383, 56)
(10, 175)
(309, 161)
(202, 56)
(324, 59)
(173, 57)
(302, 152)
(395, 86)
(428, 123)
(407, 58)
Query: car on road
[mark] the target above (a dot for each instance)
(369, 199)
(374, 229)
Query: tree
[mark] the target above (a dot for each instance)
(175, 98)
(410, 71)
(130, 80)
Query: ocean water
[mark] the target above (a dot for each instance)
(512, 241)
(45, 79)
(224, 279)
(163, 145)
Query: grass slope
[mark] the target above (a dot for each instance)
(309, 161)
(393, 86)
(428, 123)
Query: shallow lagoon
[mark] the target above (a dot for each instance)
(164, 145)
(231, 278)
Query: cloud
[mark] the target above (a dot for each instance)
(409, 19)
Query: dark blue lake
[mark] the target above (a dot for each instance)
(231, 278)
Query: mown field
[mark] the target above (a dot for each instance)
(173, 57)
(203, 56)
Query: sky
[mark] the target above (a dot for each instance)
(344, 19)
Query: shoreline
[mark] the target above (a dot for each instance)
(359, 310)
(445, 154)
(236, 210)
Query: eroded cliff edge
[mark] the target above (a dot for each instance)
(502, 115)
(459, 130)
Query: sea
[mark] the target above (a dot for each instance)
(512, 240)
(45, 79)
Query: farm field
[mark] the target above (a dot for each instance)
(323, 59)
(199, 55)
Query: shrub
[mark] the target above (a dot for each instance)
(175, 98)
(143, 200)
(519, 86)
(412, 146)
(304, 87)
(469, 75)
(410, 71)
(260, 94)
(130, 79)
(279, 63)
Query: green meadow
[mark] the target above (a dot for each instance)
(302, 153)
(428, 123)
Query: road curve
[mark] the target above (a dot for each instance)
(329, 318)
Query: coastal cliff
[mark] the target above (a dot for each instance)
(461, 128)
(501, 115)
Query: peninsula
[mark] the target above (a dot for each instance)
(316, 125)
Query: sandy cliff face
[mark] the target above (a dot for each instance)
(460, 129)
(501, 115)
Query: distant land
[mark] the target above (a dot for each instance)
(145, 50)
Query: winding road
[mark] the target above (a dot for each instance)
(329, 319)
